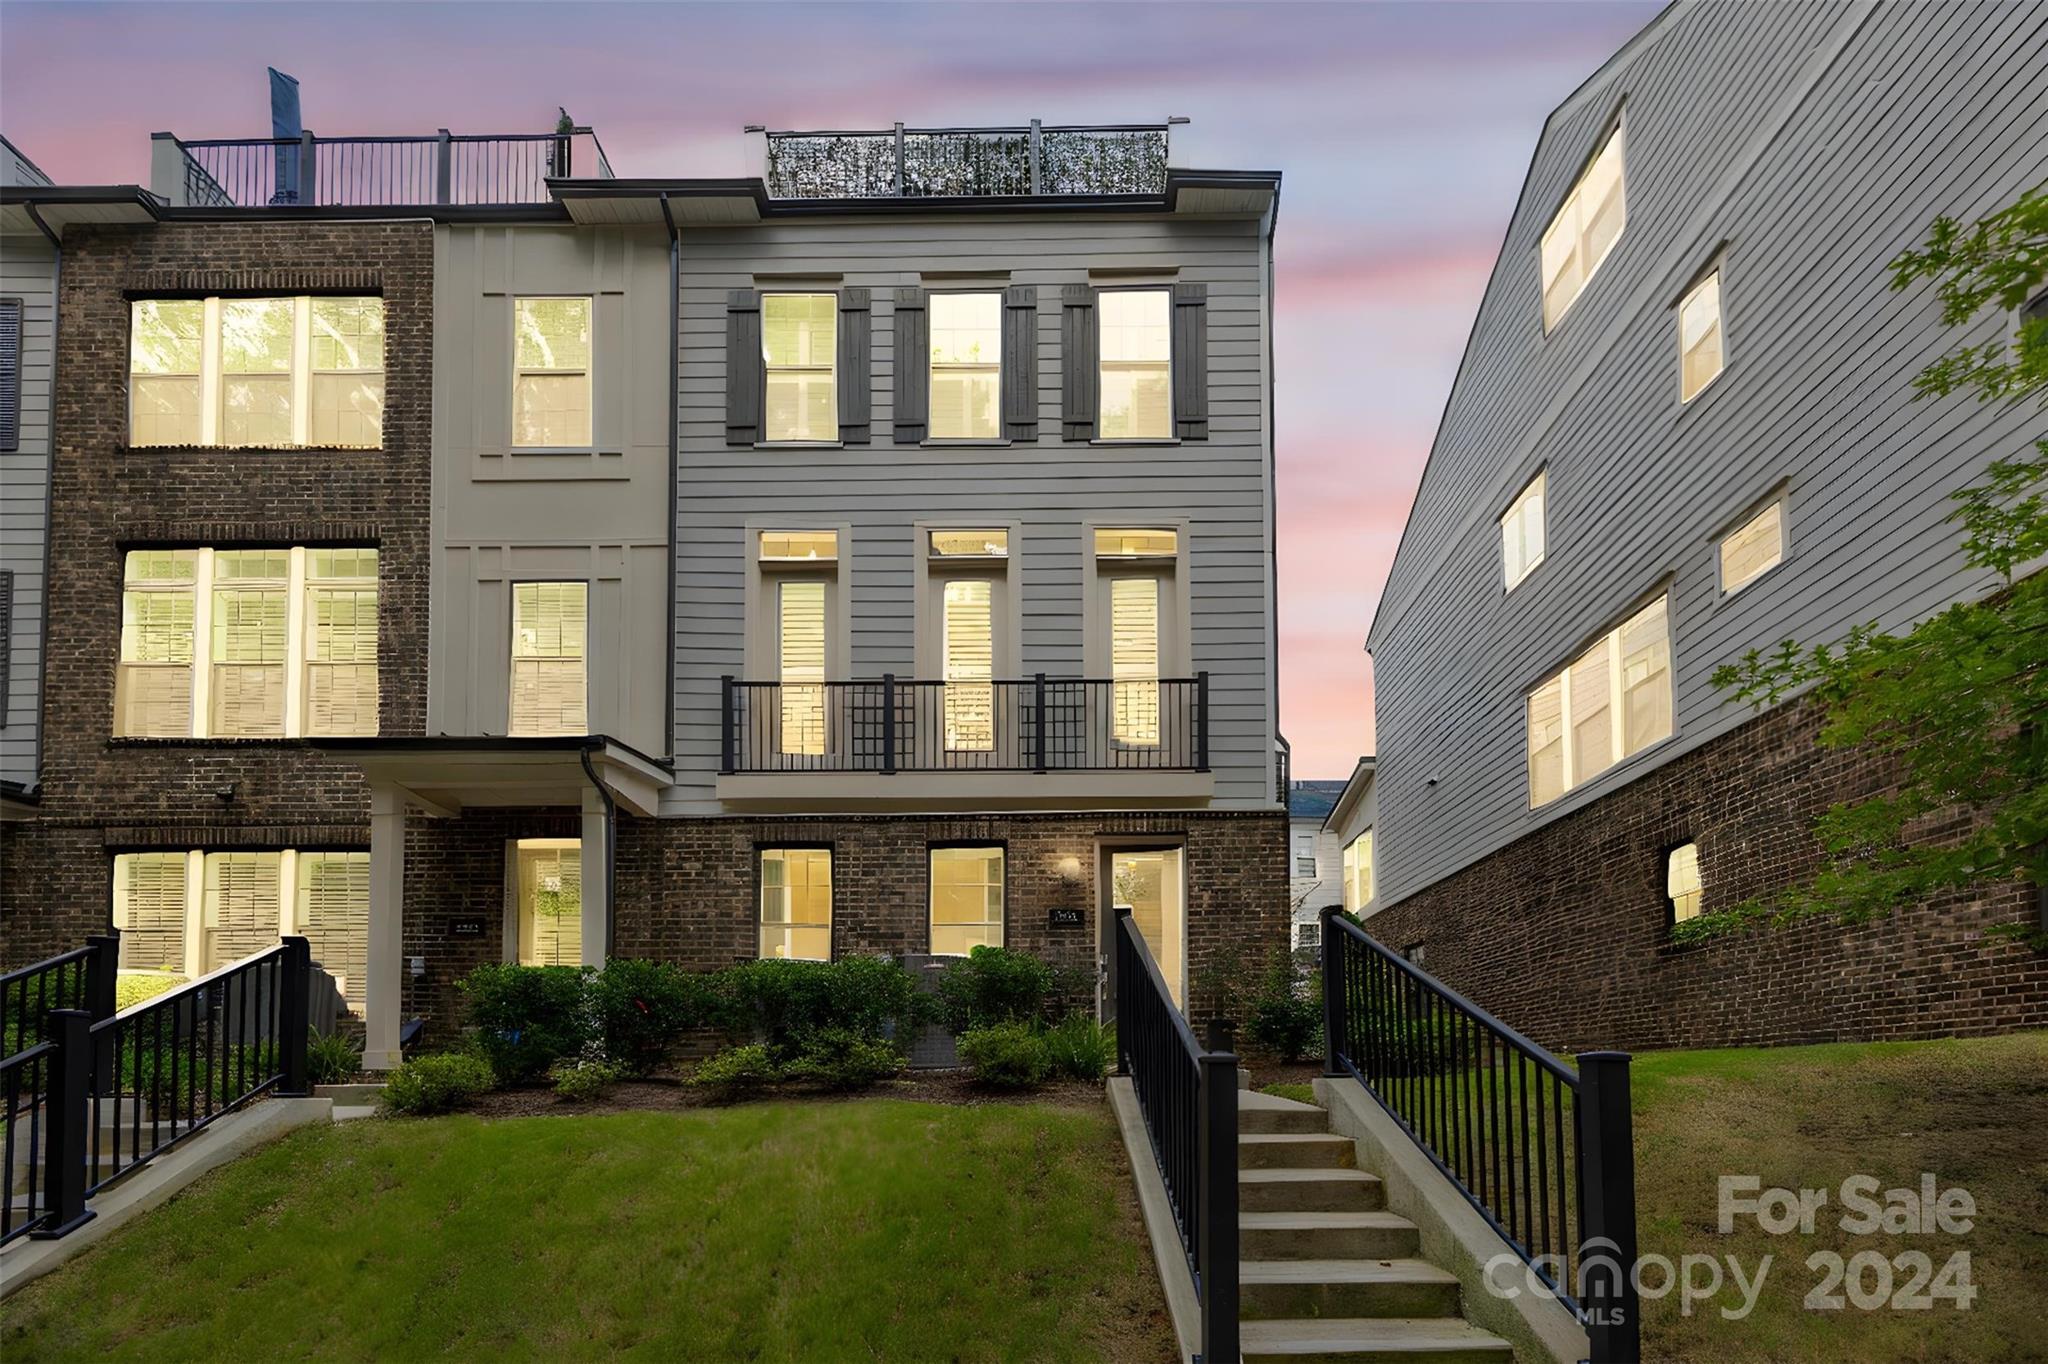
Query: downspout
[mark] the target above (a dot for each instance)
(49, 494)
(675, 327)
(611, 853)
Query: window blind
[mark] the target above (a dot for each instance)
(800, 657)
(149, 910)
(333, 913)
(549, 676)
(551, 372)
(1134, 658)
(969, 665)
(551, 903)
(241, 910)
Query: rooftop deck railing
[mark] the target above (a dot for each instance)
(446, 168)
(922, 163)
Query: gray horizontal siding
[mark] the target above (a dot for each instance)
(1816, 167)
(1048, 487)
(27, 272)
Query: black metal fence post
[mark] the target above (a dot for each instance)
(102, 969)
(295, 996)
(1038, 723)
(1218, 1254)
(1333, 989)
(889, 724)
(1607, 1296)
(66, 1129)
(1120, 989)
(1202, 723)
(725, 724)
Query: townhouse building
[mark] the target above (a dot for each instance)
(470, 555)
(1313, 859)
(28, 282)
(1685, 427)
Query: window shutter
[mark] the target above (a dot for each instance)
(856, 344)
(744, 379)
(10, 374)
(913, 354)
(1078, 349)
(1020, 362)
(1191, 361)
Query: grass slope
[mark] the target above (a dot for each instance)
(873, 1229)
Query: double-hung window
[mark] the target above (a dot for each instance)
(967, 366)
(1753, 548)
(1584, 230)
(551, 373)
(1137, 361)
(550, 675)
(1684, 891)
(1358, 872)
(1522, 532)
(966, 899)
(796, 903)
(256, 372)
(1699, 337)
(799, 344)
(247, 643)
(1304, 855)
(1611, 702)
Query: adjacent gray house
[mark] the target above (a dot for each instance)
(1684, 427)
(28, 284)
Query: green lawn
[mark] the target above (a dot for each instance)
(1972, 1112)
(873, 1229)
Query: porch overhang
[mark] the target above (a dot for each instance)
(445, 775)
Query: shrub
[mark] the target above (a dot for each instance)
(840, 1059)
(1283, 1017)
(437, 1084)
(1080, 1047)
(332, 1058)
(738, 1068)
(1006, 1055)
(586, 1079)
(643, 1009)
(993, 985)
(132, 987)
(527, 1017)
(781, 1003)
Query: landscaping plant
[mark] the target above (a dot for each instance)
(1286, 1016)
(527, 1017)
(839, 1059)
(1081, 1048)
(437, 1084)
(738, 1068)
(585, 1079)
(1006, 1055)
(781, 1003)
(333, 1058)
(992, 985)
(642, 1010)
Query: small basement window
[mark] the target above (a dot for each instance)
(1683, 888)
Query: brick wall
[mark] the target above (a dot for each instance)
(100, 793)
(1564, 934)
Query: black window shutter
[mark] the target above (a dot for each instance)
(1191, 361)
(913, 357)
(744, 374)
(1080, 377)
(1020, 362)
(10, 374)
(856, 346)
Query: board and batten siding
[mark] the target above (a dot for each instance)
(1807, 145)
(28, 273)
(504, 515)
(1218, 487)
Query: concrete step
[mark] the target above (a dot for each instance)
(1326, 1236)
(350, 1112)
(350, 1095)
(1294, 1150)
(1285, 1190)
(1372, 1340)
(1271, 1289)
(1271, 1113)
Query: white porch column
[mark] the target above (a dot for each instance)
(384, 981)
(597, 884)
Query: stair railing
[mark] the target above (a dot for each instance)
(1543, 1152)
(1188, 1096)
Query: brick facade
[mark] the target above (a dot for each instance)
(1564, 934)
(101, 794)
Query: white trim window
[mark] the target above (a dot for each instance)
(968, 642)
(799, 349)
(967, 366)
(551, 373)
(1683, 889)
(1610, 703)
(1700, 352)
(246, 901)
(550, 658)
(1523, 531)
(796, 903)
(1358, 873)
(1136, 381)
(1584, 230)
(1304, 856)
(1308, 933)
(1754, 548)
(247, 643)
(263, 373)
(966, 899)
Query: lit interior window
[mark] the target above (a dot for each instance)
(966, 373)
(1682, 885)
(1522, 532)
(970, 544)
(796, 903)
(799, 337)
(1753, 549)
(1613, 701)
(785, 546)
(1136, 544)
(1588, 223)
(1136, 360)
(1699, 337)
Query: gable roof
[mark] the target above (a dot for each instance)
(1312, 799)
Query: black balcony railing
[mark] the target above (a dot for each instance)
(445, 168)
(1541, 1151)
(1038, 724)
(923, 163)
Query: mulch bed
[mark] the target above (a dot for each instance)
(669, 1093)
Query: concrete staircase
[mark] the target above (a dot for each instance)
(1327, 1273)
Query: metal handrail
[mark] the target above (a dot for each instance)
(1507, 1122)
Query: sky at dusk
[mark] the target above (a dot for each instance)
(1403, 131)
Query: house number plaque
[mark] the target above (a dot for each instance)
(1065, 916)
(465, 928)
